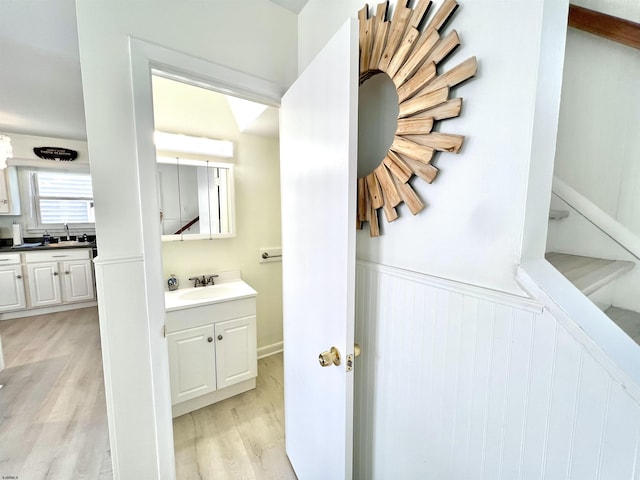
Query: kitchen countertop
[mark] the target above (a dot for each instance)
(51, 246)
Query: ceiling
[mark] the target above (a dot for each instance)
(40, 82)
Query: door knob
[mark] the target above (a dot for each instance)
(326, 359)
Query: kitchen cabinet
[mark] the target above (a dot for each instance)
(212, 352)
(9, 193)
(61, 276)
(12, 295)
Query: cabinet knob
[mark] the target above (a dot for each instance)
(67, 272)
(18, 277)
(220, 337)
(209, 339)
(55, 274)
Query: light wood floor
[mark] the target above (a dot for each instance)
(239, 438)
(53, 421)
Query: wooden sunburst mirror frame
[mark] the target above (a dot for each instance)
(409, 58)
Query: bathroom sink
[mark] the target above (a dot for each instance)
(212, 292)
(194, 296)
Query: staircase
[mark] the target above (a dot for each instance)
(590, 274)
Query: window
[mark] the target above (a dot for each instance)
(63, 197)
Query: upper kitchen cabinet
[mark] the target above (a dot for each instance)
(9, 194)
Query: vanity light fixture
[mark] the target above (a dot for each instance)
(174, 142)
(6, 151)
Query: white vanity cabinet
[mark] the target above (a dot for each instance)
(59, 276)
(212, 352)
(11, 283)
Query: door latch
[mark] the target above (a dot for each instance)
(356, 353)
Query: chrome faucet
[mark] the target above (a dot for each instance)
(66, 227)
(203, 281)
(199, 281)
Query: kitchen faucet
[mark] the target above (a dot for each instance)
(66, 227)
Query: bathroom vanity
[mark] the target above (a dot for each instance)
(211, 336)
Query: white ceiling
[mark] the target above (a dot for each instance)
(40, 82)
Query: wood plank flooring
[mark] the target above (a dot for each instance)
(239, 438)
(53, 421)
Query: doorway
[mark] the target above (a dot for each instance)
(243, 436)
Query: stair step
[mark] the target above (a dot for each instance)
(558, 214)
(627, 320)
(586, 273)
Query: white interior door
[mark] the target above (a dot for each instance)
(318, 148)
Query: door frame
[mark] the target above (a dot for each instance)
(147, 59)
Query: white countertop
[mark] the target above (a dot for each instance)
(195, 296)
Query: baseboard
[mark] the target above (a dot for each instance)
(32, 312)
(272, 349)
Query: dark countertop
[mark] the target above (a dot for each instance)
(35, 243)
(51, 246)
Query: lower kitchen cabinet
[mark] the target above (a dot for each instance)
(12, 295)
(45, 278)
(59, 276)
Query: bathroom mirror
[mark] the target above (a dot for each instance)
(196, 199)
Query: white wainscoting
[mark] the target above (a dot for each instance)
(459, 382)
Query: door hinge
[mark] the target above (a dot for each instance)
(164, 331)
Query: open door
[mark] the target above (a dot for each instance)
(318, 148)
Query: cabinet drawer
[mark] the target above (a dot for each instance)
(208, 314)
(57, 255)
(9, 259)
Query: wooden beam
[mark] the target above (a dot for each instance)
(607, 26)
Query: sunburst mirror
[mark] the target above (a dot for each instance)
(409, 55)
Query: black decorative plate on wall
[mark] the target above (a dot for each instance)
(55, 153)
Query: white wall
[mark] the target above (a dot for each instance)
(598, 142)
(255, 37)
(471, 230)
(459, 377)
(465, 383)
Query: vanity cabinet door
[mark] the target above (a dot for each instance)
(236, 350)
(192, 363)
(44, 284)
(77, 281)
(11, 288)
